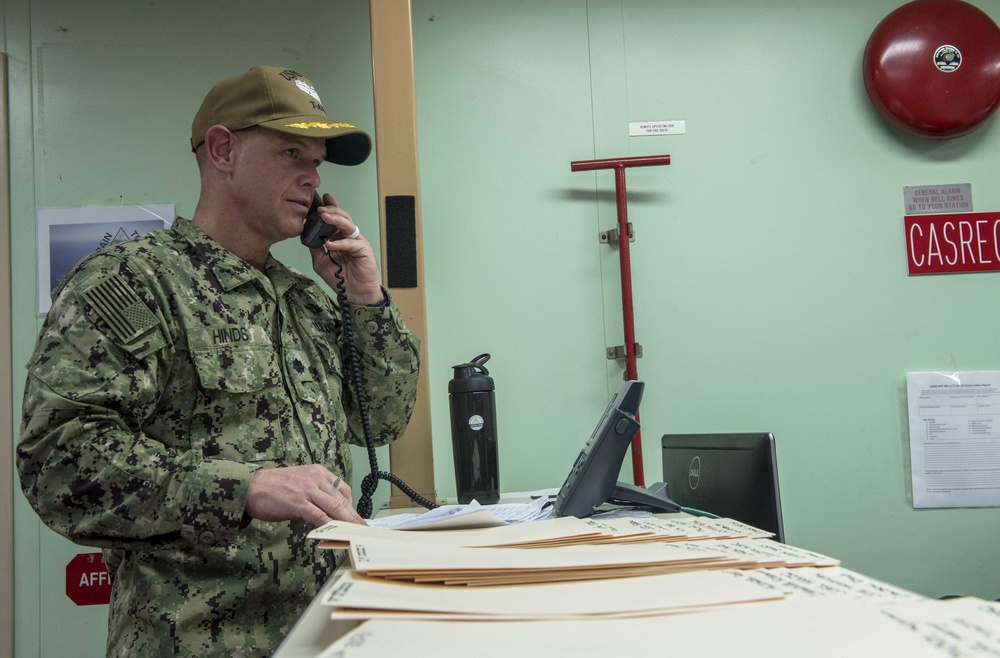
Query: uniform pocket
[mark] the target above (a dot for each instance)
(236, 370)
(241, 405)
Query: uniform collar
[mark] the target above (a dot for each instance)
(231, 270)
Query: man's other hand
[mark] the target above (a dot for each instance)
(309, 493)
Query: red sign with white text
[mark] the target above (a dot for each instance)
(87, 580)
(946, 244)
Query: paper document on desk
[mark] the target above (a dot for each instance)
(485, 567)
(456, 565)
(827, 581)
(658, 529)
(357, 597)
(765, 552)
(472, 515)
(550, 532)
(827, 627)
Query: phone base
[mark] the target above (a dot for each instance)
(655, 496)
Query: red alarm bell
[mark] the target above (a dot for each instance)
(932, 68)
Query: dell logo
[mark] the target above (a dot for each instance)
(694, 473)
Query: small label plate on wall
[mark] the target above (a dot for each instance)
(932, 199)
(644, 128)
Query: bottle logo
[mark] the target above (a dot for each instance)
(476, 423)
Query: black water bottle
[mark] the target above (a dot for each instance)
(474, 432)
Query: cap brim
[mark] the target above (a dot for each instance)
(349, 149)
(345, 145)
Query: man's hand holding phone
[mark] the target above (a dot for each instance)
(347, 247)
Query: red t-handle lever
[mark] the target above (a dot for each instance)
(628, 317)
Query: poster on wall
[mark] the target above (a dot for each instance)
(954, 420)
(66, 235)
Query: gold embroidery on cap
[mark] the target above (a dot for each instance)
(317, 124)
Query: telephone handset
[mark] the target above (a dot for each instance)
(315, 233)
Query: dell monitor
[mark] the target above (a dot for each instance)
(729, 475)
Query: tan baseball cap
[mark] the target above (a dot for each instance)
(281, 99)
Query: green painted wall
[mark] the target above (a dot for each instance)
(770, 283)
(769, 271)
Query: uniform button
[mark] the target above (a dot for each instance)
(207, 537)
(372, 327)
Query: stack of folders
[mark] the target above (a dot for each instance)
(564, 567)
(627, 586)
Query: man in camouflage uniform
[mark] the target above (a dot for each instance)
(187, 406)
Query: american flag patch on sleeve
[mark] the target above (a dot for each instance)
(119, 306)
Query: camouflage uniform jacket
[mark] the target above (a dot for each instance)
(167, 372)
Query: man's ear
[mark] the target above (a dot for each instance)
(219, 148)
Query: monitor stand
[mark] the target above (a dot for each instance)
(655, 496)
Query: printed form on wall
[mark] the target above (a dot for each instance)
(954, 422)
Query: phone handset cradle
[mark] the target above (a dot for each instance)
(593, 479)
(656, 496)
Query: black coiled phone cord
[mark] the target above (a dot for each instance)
(370, 482)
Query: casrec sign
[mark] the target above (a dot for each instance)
(958, 242)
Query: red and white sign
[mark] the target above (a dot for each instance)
(87, 580)
(947, 244)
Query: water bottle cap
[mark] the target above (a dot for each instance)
(472, 377)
